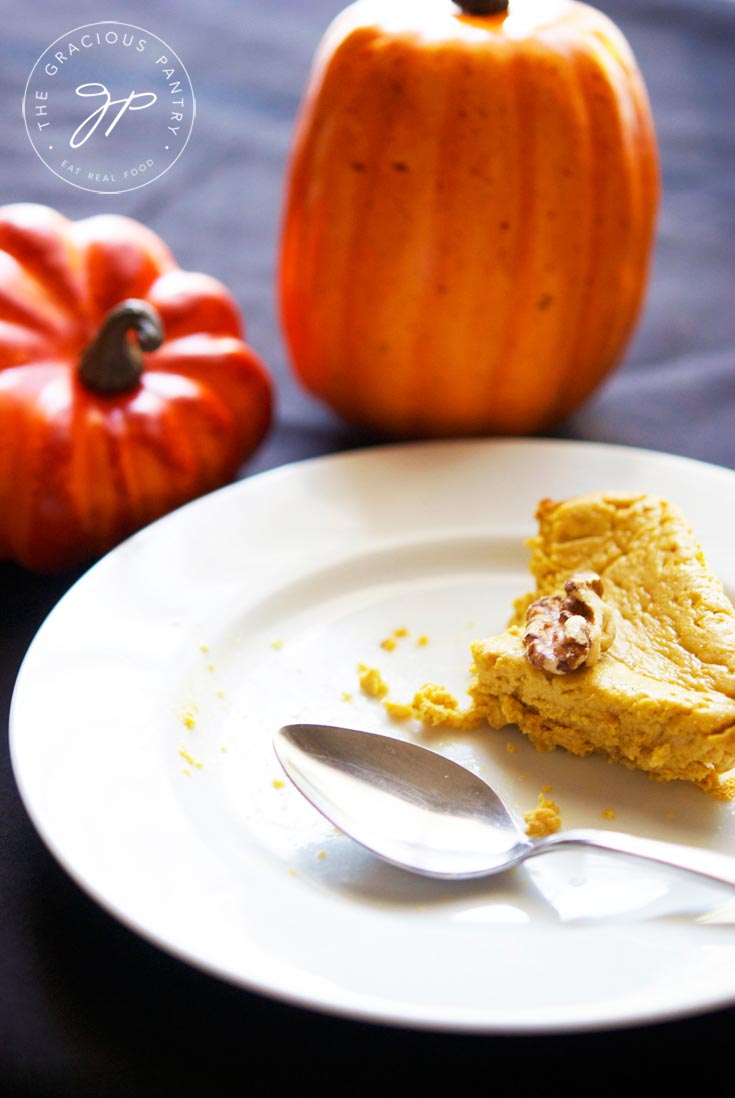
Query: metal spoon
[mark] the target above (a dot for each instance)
(425, 813)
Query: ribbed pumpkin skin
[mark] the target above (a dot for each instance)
(80, 470)
(470, 211)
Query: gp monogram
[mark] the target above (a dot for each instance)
(109, 107)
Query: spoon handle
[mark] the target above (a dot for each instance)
(705, 863)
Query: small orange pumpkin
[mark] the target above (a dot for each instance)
(126, 387)
(469, 215)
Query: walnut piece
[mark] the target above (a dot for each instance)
(564, 632)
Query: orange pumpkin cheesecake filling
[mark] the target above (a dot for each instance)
(654, 688)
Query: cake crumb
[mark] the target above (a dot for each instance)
(187, 757)
(511, 747)
(321, 854)
(422, 641)
(542, 820)
(346, 696)
(278, 783)
(277, 644)
(188, 716)
(389, 643)
(546, 789)
(608, 813)
(399, 711)
(371, 681)
(435, 705)
(432, 704)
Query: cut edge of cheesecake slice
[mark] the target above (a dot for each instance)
(661, 697)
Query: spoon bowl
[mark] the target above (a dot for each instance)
(425, 813)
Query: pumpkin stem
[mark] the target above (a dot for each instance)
(112, 362)
(482, 7)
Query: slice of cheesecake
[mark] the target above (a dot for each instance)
(627, 645)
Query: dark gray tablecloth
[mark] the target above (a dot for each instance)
(86, 1008)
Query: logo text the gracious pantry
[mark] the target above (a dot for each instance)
(109, 107)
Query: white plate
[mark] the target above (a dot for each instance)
(143, 715)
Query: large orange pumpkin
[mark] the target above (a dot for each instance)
(470, 210)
